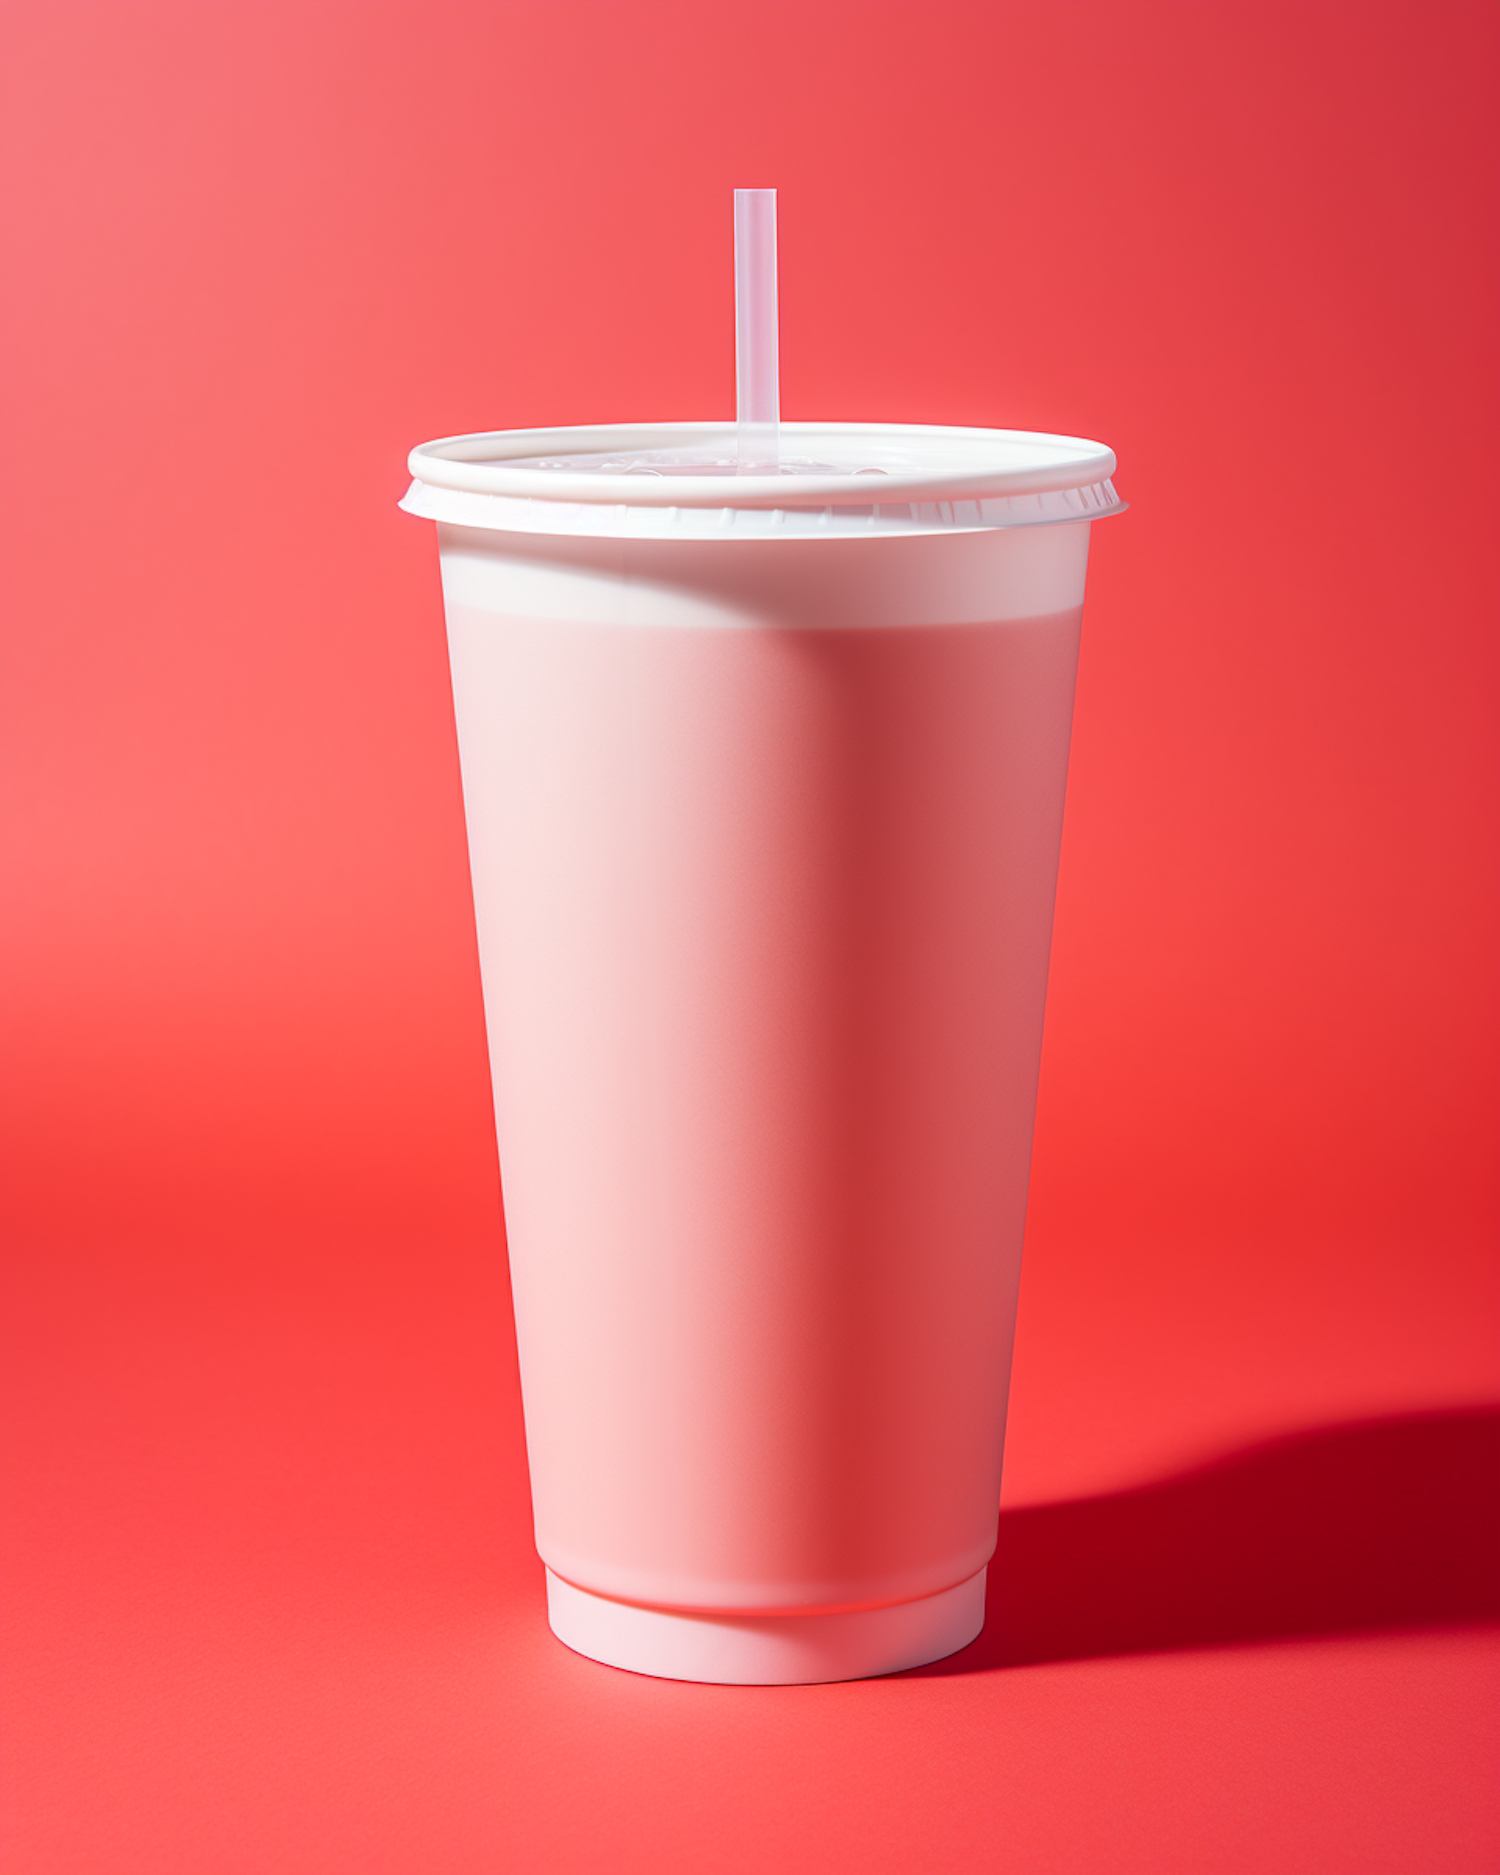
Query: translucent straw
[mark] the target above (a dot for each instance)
(757, 370)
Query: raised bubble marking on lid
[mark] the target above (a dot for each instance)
(675, 462)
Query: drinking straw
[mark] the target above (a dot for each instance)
(757, 368)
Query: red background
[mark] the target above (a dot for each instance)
(273, 1600)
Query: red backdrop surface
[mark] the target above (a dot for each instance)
(273, 1599)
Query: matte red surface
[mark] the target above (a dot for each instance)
(272, 1598)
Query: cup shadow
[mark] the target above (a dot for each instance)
(1391, 1523)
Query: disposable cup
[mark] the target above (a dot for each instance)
(764, 785)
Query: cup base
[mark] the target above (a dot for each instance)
(765, 1650)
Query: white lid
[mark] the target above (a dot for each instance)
(681, 479)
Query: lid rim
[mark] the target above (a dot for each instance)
(467, 464)
(724, 526)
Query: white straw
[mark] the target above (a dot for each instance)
(757, 368)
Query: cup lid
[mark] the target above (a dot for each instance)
(684, 477)
(664, 465)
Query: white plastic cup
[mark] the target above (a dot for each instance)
(764, 790)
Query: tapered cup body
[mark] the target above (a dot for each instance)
(764, 839)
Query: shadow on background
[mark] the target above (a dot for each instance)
(1390, 1524)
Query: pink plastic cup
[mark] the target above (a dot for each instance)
(764, 784)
